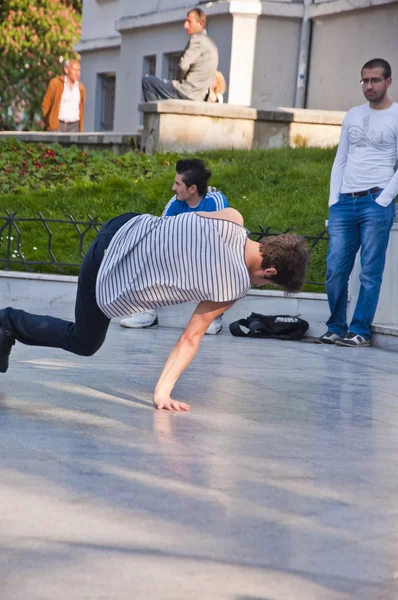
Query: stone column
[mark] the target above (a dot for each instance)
(244, 30)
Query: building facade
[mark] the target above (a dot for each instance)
(272, 53)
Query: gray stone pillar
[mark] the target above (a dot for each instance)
(244, 30)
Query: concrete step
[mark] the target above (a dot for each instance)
(385, 336)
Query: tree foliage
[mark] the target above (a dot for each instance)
(77, 4)
(35, 38)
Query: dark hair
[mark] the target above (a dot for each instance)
(200, 14)
(194, 172)
(288, 254)
(378, 63)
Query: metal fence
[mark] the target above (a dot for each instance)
(12, 255)
(12, 244)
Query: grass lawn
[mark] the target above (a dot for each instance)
(280, 189)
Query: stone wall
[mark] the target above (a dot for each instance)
(55, 294)
(185, 126)
(181, 125)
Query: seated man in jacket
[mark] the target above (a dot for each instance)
(196, 67)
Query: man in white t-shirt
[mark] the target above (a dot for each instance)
(363, 188)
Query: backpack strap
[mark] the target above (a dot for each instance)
(253, 324)
(236, 328)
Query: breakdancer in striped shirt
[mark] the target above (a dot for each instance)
(138, 262)
(192, 194)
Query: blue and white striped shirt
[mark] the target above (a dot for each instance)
(159, 261)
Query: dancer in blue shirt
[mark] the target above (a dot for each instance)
(211, 202)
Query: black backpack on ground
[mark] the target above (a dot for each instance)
(281, 327)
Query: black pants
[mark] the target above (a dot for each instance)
(87, 334)
(159, 89)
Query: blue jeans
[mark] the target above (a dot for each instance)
(356, 223)
(87, 333)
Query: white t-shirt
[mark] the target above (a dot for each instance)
(69, 110)
(367, 153)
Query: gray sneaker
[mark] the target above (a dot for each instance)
(329, 338)
(352, 339)
(141, 320)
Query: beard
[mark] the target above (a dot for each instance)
(375, 97)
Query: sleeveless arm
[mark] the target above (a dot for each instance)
(227, 214)
(184, 351)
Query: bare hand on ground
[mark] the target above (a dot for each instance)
(167, 403)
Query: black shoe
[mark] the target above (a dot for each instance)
(353, 340)
(6, 343)
(328, 338)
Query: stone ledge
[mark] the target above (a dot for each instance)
(119, 143)
(385, 336)
(39, 276)
(57, 277)
(55, 294)
(234, 111)
(187, 126)
(90, 45)
(280, 294)
(56, 136)
(273, 8)
(391, 329)
(322, 8)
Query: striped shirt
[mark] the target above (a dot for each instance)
(211, 202)
(158, 261)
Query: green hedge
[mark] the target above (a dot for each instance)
(278, 188)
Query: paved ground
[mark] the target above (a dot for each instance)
(281, 484)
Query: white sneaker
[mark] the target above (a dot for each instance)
(215, 327)
(146, 318)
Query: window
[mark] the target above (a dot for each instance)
(107, 99)
(171, 64)
(149, 65)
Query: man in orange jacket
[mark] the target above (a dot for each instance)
(63, 103)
